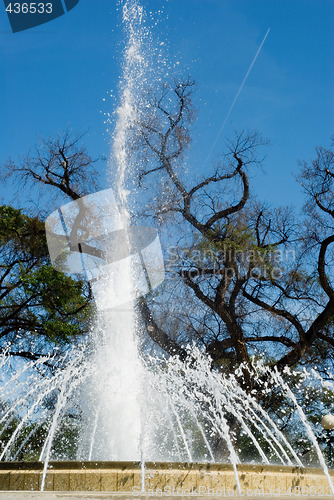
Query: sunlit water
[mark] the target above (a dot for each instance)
(106, 403)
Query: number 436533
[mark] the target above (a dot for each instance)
(29, 8)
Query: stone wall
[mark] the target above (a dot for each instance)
(163, 478)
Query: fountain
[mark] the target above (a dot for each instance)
(109, 420)
(186, 407)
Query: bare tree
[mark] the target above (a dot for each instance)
(61, 163)
(243, 273)
(236, 291)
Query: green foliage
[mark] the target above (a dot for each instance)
(36, 300)
(59, 298)
(25, 235)
(28, 444)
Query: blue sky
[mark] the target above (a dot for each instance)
(56, 76)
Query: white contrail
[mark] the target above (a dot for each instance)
(236, 97)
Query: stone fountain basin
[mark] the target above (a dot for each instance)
(164, 478)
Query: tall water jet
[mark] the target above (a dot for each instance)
(116, 393)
